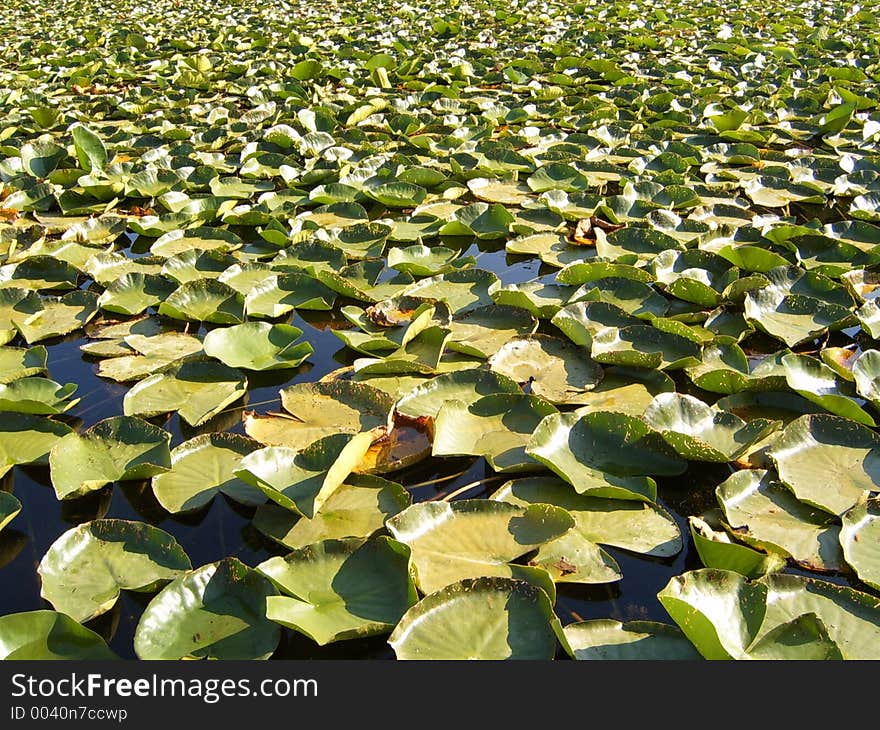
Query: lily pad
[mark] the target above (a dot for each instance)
(726, 617)
(114, 449)
(18, 362)
(316, 410)
(84, 570)
(358, 508)
(217, 611)
(482, 618)
(203, 467)
(38, 396)
(9, 508)
(341, 589)
(496, 427)
(49, 635)
(718, 548)
(472, 538)
(764, 514)
(859, 538)
(556, 369)
(258, 346)
(204, 300)
(640, 527)
(635, 640)
(814, 446)
(27, 439)
(197, 391)
(302, 481)
(699, 432)
(466, 386)
(604, 453)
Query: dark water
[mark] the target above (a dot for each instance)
(223, 528)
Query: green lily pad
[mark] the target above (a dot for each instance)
(204, 300)
(798, 306)
(56, 317)
(814, 446)
(635, 640)
(819, 384)
(196, 390)
(84, 570)
(278, 295)
(153, 354)
(556, 369)
(203, 467)
(341, 589)
(317, 410)
(472, 538)
(483, 331)
(699, 432)
(258, 346)
(18, 362)
(49, 635)
(726, 617)
(482, 618)
(358, 508)
(644, 346)
(27, 439)
(134, 292)
(543, 300)
(859, 540)
(38, 396)
(466, 386)
(420, 260)
(114, 449)
(302, 481)
(496, 427)
(626, 390)
(766, 515)
(640, 527)
(718, 548)
(461, 290)
(604, 453)
(217, 611)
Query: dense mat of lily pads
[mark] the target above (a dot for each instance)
(698, 186)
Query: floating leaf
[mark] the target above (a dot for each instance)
(257, 346)
(555, 368)
(860, 542)
(639, 640)
(203, 467)
(496, 427)
(341, 589)
(764, 514)
(197, 391)
(358, 508)
(84, 570)
(698, 432)
(725, 616)
(114, 449)
(482, 618)
(814, 446)
(471, 538)
(38, 396)
(9, 508)
(44, 635)
(318, 410)
(604, 454)
(217, 611)
(640, 527)
(302, 481)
